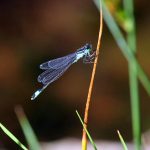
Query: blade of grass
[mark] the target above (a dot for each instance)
(10, 135)
(122, 141)
(27, 129)
(134, 89)
(129, 48)
(88, 134)
(127, 52)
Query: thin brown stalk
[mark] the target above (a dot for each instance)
(84, 137)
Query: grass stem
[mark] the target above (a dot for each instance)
(11, 136)
(87, 132)
(122, 141)
(123, 45)
(84, 138)
(27, 129)
(133, 78)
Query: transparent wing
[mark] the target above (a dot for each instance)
(58, 62)
(53, 72)
(55, 75)
(44, 74)
(51, 77)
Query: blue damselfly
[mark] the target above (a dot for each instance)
(55, 68)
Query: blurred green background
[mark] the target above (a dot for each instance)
(32, 32)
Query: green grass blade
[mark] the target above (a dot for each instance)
(27, 129)
(135, 107)
(128, 48)
(134, 89)
(10, 135)
(127, 52)
(88, 134)
(122, 141)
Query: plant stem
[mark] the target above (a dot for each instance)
(11, 136)
(120, 40)
(27, 129)
(87, 132)
(122, 141)
(84, 137)
(133, 79)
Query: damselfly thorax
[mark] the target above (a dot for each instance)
(83, 51)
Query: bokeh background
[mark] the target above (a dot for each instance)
(32, 32)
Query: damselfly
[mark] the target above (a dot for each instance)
(55, 68)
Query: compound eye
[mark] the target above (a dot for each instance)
(88, 46)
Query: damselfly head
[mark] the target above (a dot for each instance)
(88, 46)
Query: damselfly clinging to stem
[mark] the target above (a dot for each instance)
(55, 68)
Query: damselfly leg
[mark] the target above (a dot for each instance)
(89, 58)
